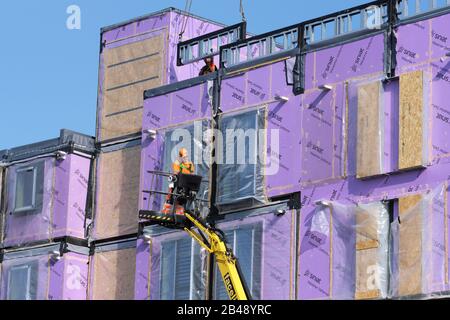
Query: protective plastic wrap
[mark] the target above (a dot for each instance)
(36, 275)
(25, 279)
(264, 241)
(419, 252)
(170, 266)
(240, 156)
(344, 251)
(388, 124)
(112, 270)
(29, 201)
(367, 124)
(45, 199)
(162, 151)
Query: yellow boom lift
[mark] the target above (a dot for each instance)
(184, 194)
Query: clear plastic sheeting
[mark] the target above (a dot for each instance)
(344, 251)
(367, 127)
(196, 138)
(29, 201)
(419, 253)
(241, 156)
(263, 240)
(25, 278)
(171, 266)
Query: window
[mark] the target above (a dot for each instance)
(22, 284)
(174, 140)
(246, 243)
(29, 188)
(240, 168)
(182, 270)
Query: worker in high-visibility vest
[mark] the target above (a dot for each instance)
(209, 66)
(183, 165)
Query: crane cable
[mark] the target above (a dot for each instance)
(187, 9)
(242, 11)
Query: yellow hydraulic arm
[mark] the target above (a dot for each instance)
(209, 238)
(225, 259)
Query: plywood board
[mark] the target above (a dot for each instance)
(114, 275)
(367, 255)
(411, 125)
(410, 245)
(129, 71)
(368, 133)
(367, 273)
(118, 192)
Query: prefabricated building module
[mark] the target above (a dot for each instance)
(45, 192)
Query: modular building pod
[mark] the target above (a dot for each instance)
(56, 271)
(254, 108)
(46, 188)
(171, 265)
(112, 268)
(138, 55)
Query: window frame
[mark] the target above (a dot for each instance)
(33, 206)
(174, 276)
(29, 269)
(260, 111)
(255, 227)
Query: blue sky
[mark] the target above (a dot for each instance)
(49, 73)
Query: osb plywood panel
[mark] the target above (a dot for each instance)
(368, 137)
(411, 120)
(367, 243)
(113, 275)
(367, 271)
(129, 71)
(118, 191)
(366, 229)
(410, 245)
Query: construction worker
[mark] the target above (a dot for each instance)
(209, 67)
(183, 165)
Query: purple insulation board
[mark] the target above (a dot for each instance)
(195, 27)
(39, 277)
(263, 242)
(429, 44)
(262, 88)
(346, 61)
(54, 203)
